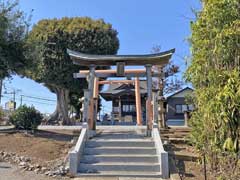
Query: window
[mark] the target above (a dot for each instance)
(181, 108)
(125, 108)
(190, 107)
(184, 108)
(115, 109)
(129, 108)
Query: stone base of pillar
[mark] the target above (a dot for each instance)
(149, 133)
(91, 133)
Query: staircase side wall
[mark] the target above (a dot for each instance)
(161, 153)
(75, 154)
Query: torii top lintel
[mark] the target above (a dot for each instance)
(82, 59)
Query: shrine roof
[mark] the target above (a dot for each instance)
(161, 58)
(115, 90)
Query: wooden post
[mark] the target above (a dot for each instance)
(138, 101)
(161, 111)
(90, 97)
(149, 99)
(186, 117)
(155, 106)
(95, 96)
(120, 109)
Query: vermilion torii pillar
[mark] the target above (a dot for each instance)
(137, 94)
(90, 98)
(138, 101)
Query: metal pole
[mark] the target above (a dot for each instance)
(14, 99)
(204, 166)
(1, 83)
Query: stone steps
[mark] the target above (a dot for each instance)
(120, 158)
(127, 174)
(120, 150)
(119, 143)
(116, 166)
(119, 154)
(175, 135)
(118, 136)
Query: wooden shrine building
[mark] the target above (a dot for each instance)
(124, 102)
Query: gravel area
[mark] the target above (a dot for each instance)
(11, 172)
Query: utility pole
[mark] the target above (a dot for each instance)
(14, 99)
(21, 99)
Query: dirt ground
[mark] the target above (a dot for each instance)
(46, 147)
(188, 163)
(42, 147)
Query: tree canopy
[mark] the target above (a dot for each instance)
(48, 41)
(214, 73)
(13, 29)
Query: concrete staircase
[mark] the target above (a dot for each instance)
(175, 134)
(120, 154)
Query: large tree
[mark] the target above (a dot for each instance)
(48, 41)
(13, 29)
(215, 73)
(168, 81)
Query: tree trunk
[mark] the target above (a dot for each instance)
(61, 112)
(78, 112)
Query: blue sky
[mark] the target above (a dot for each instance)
(141, 24)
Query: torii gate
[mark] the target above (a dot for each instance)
(159, 59)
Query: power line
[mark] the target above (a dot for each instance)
(30, 96)
(29, 101)
(39, 98)
(39, 102)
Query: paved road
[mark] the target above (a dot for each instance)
(10, 172)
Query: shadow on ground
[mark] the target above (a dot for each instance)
(179, 157)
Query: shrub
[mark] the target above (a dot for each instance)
(27, 118)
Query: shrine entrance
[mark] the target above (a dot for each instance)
(120, 61)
